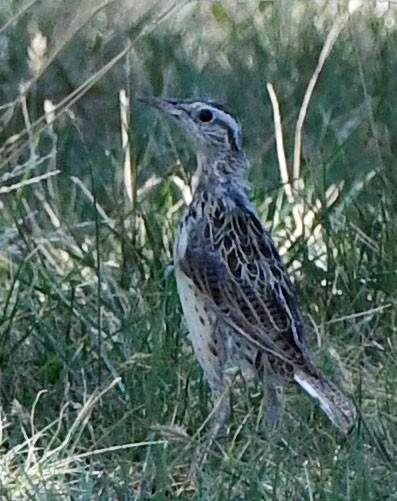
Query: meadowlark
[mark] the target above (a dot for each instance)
(238, 300)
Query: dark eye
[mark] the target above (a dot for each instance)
(205, 115)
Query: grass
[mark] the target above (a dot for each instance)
(100, 396)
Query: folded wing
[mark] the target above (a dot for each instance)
(233, 261)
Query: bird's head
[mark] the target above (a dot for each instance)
(212, 129)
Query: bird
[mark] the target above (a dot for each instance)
(237, 298)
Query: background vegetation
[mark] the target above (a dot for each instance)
(100, 395)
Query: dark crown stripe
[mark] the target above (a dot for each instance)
(209, 103)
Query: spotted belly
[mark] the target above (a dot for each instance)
(206, 338)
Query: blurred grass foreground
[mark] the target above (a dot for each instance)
(100, 395)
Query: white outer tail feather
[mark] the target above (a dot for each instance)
(339, 409)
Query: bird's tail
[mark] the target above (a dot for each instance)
(333, 402)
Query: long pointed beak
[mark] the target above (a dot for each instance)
(169, 106)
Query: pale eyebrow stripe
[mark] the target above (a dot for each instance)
(224, 118)
(231, 123)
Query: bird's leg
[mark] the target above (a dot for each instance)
(220, 397)
(272, 396)
(216, 357)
